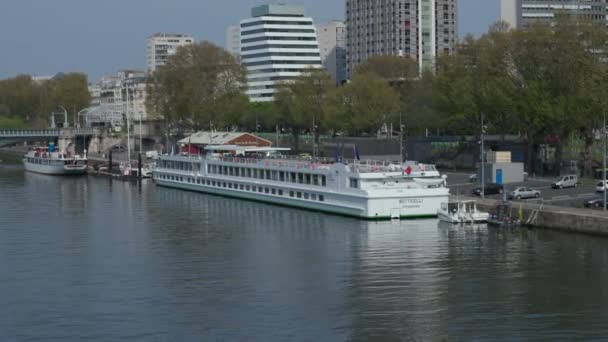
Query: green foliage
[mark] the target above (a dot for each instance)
(201, 86)
(12, 123)
(31, 103)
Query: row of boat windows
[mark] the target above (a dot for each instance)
(274, 175)
(245, 187)
(44, 161)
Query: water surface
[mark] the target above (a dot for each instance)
(91, 259)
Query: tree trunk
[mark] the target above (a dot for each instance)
(296, 140)
(587, 157)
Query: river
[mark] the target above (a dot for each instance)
(93, 259)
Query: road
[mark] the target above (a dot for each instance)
(571, 197)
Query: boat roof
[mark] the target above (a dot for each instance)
(245, 149)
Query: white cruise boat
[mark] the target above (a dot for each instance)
(461, 212)
(362, 189)
(41, 160)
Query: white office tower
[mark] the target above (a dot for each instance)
(332, 44)
(233, 40)
(278, 44)
(163, 45)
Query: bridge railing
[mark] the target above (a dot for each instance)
(13, 133)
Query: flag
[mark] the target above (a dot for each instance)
(357, 155)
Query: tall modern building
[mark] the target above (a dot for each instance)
(278, 44)
(420, 29)
(332, 44)
(522, 13)
(233, 40)
(162, 45)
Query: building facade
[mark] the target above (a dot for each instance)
(420, 29)
(332, 45)
(522, 13)
(278, 44)
(163, 45)
(116, 97)
(233, 40)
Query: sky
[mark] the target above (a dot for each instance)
(99, 37)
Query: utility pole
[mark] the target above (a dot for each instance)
(604, 159)
(483, 171)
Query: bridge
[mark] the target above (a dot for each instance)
(12, 136)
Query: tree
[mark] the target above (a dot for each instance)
(364, 105)
(390, 68)
(201, 86)
(302, 104)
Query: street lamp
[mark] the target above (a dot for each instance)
(66, 124)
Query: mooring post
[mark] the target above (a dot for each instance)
(110, 166)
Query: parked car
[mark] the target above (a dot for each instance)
(118, 147)
(565, 182)
(522, 192)
(595, 203)
(489, 189)
(473, 178)
(601, 186)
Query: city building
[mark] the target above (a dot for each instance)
(278, 44)
(332, 45)
(420, 29)
(162, 45)
(109, 104)
(233, 40)
(510, 12)
(522, 13)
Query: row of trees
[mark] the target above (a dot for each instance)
(543, 82)
(28, 103)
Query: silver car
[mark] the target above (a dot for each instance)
(523, 192)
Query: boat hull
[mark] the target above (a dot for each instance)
(57, 170)
(381, 208)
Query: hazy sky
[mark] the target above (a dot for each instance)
(43, 37)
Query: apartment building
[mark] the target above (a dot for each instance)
(420, 29)
(278, 44)
(522, 13)
(332, 45)
(163, 45)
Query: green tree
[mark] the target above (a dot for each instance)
(302, 104)
(364, 105)
(201, 86)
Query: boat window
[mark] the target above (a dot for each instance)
(266, 190)
(224, 184)
(241, 186)
(260, 189)
(308, 178)
(299, 195)
(249, 173)
(291, 194)
(254, 189)
(273, 191)
(306, 195)
(281, 176)
(354, 183)
(274, 175)
(300, 178)
(268, 174)
(313, 197)
(323, 180)
(321, 198)
(230, 185)
(280, 192)
(292, 177)
(247, 187)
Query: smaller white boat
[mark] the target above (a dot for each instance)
(461, 212)
(47, 161)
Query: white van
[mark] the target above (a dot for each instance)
(565, 182)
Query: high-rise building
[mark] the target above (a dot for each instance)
(522, 13)
(332, 44)
(420, 29)
(278, 44)
(162, 45)
(233, 40)
(510, 12)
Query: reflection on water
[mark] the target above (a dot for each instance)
(91, 258)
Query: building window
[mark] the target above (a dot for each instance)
(354, 183)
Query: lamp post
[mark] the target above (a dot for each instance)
(66, 124)
(605, 136)
(128, 126)
(482, 164)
